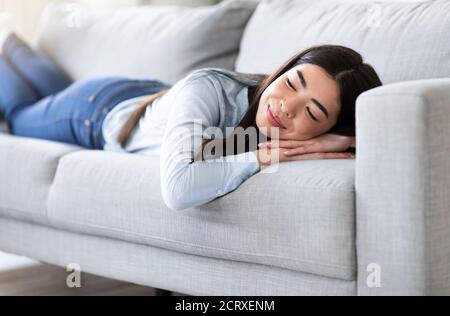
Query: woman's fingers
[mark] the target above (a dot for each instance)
(298, 151)
(287, 144)
(317, 156)
(270, 156)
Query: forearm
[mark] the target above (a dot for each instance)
(353, 144)
(186, 185)
(263, 158)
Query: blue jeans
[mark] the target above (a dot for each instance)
(38, 100)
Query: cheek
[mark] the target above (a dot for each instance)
(265, 97)
(304, 128)
(260, 114)
(261, 117)
(275, 90)
(262, 108)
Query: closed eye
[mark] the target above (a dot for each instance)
(310, 114)
(290, 85)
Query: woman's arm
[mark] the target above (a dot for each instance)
(353, 144)
(267, 156)
(323, 144)
(185, 181)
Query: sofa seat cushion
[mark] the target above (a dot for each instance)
(27, 170)
(301, 217)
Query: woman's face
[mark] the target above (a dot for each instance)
(303, 103)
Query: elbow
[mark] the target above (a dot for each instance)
(174, 198)
(175, 203)
(173, 189)
(179, 191)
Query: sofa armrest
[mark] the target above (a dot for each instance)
(403, 189)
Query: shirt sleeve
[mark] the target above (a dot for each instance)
(187, 182)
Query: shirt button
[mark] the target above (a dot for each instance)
(87, 123)
(220, 192)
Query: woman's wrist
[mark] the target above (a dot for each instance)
(263, 163)
(353, 144)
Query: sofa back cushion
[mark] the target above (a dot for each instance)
(153, 42)
(403, 40)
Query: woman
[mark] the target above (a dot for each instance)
(306, 108)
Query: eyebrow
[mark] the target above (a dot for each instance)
(305, 85)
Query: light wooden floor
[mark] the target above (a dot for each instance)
(46, 280)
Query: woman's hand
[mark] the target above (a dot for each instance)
(267, 156)
(327, 143)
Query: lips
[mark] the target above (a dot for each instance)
(273, 119)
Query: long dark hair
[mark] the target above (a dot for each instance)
(345, 65)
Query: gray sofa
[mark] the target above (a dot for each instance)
(377, 225)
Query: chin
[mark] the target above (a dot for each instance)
(267, 131)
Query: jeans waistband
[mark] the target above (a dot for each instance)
(113, 94)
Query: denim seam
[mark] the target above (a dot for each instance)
(58, 121)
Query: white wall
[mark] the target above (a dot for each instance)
(24, 13)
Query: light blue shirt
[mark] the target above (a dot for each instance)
(173, 127)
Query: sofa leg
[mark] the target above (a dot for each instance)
(160, 292)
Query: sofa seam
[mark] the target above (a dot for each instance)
(47, 222)
(200, 247)
(52, 222)
(145, 245)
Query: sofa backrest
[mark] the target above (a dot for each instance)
(153, 42)
(403, 40)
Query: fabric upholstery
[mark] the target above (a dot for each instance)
(403, 40)
(160, 268)
(402, 185)
(27, 170)
(150, 42)
(300, 217)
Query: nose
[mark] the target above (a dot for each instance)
(288, 109)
